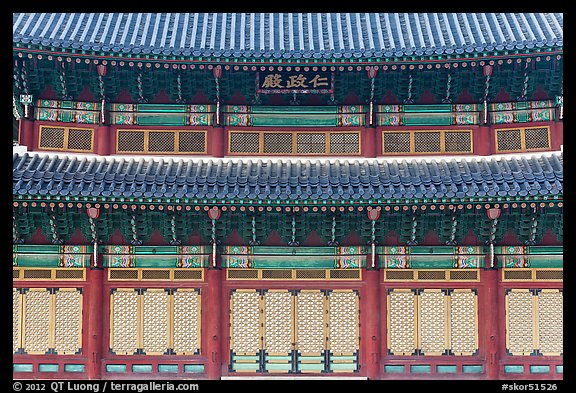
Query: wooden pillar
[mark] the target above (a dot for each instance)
(371, 318)
(369, 143)
(217, 142)
(102, 140)
(213, 323)
(491, 308)
(94, 325)
(482, 140)
(26, 133)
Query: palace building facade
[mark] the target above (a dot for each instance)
(248, 195)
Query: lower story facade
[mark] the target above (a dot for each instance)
(368, 314)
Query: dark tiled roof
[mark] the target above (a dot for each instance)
(290, 35)
(281, 179)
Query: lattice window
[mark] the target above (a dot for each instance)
(244, 142)
(311, 143)
(37, 320)
(80, 139)
(401, 322)
(396, 142)
(344, 143)
(130, 141)
(52, 138)
(537, 138)
(463, 322)
(457, 142)
(155, 321)
(186, 321)
(343, 322)
(275, 143)
(427, 142)
(550, 322)
(124, 321)
(161, 141)
(191, 142)
(523, 139)
(508, 139)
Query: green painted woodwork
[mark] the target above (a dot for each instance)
(74, 368)
(244, 358)
(311, 366)
(271, 358)
(141, 368)
(115, 368)
(543, 261)
(302, 358)
(466, 368)
(343, 366)
(513, 369)
(446, 369)
(22, 368)
(432, 262)
(560, 369)
(167, 368)
(395, 369)
(343, 358)
(420, 368)
(540, 369)
(278, 366)
(48, 368)
(40, 260)
(245, 367)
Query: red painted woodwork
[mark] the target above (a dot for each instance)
(211, 312)
(93, 305)
(483, 141)
(217, 144)
(26, 133)
(491, 329)
(369, 144)
(371, 315)
(102, 140)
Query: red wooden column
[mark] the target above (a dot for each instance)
(369, 142)
(483, 141)
(103, 140)
(26, 133)
(371, 320)
(94, 325)
(492, 331)
(217, 142)
(213, 323)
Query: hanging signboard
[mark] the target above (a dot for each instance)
(282, 82)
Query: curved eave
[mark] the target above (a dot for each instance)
(31, 50)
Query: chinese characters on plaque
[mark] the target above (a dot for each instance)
(294, 82)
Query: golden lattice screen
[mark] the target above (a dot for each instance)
(279, 321)
(522, 139)
(432, 322)
(155, 321)
(426, 142)
(47, 321)
(534, 322)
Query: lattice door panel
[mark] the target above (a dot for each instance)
(245, 330)
(155, 321)
(343, 330)
(534, 322)
(186, 321)
(47, 321)
(68, 321)
(16, 320)
(278, 330)
(432, 322)
(125, 325)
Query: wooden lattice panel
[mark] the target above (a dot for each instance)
(16, 319)
(508, 140)
(344, 143)
(125, 323)
(463, 322)
(161, 141)
(186, 327)
(155, 322)
(68, 326)
(427, 142)
(401, 322)
(519, 322)
(311, 335)
(80, 139)
(37, 320)
(192, 142)
(277, 142)
(244, 142)
(52, 138)
(432, 322)
(550, 322)
(455, 142)
(343, 325)
(311, 143)
(245, 322)
(396, 142)
(279, 322)
(537, 138)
